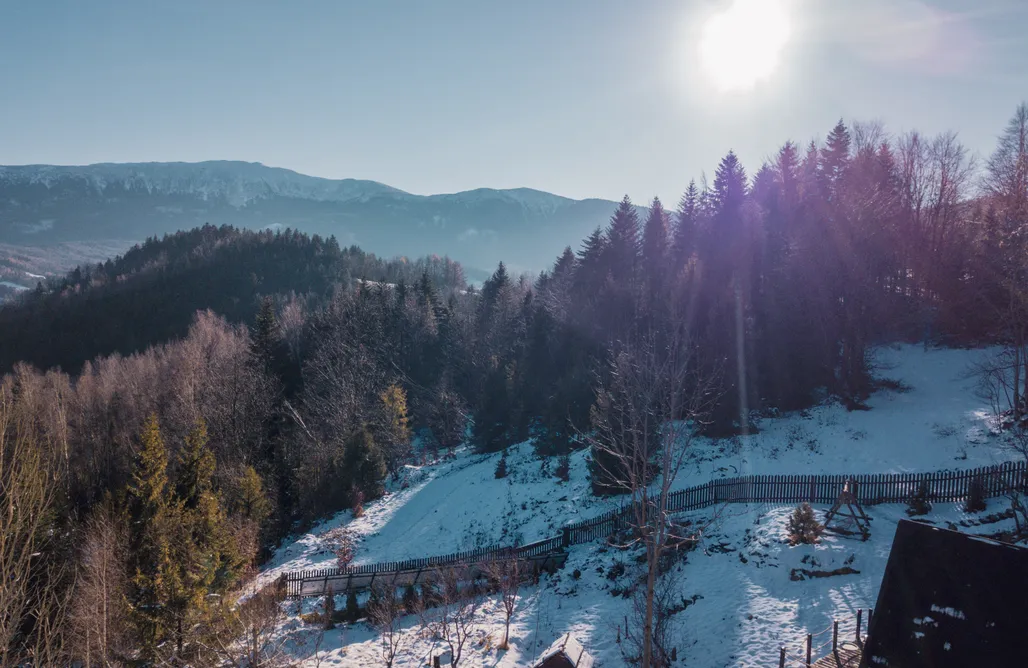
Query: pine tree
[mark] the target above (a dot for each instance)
(492, 418)
(266, 339)
(835, 158)
(328, 610)
(803, 526)
(623, 244)
(150, 478)
(155, 582)
(655, 239)
(364, 463)
(197, 466)
(251, 501)
(920, 502)
(410, 599)
(654, 265)
(685, 229)
(353, 609)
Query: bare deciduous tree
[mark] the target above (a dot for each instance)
(505, 575)
(644, 420)
(386, 611)
(99, 617)
(449, 609)
(247, 633)
(32, 594)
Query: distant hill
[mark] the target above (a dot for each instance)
(150, 294)
(527, 229)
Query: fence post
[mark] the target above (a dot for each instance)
(566, 538)
(835, 635)
(781, 658)
(810, 644)
(860, 613)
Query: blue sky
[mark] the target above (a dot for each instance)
(578, 97)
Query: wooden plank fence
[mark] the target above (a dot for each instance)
(870, 489)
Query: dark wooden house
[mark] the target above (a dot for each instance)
(949, 600)
(566, 652)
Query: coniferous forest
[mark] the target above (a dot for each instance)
(167, 417)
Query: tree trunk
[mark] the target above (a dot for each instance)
(651, 582)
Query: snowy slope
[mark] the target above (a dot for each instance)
(747, 605)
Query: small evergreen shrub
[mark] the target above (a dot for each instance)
(563, 470)
(353, 610)
(501, 466)
(803, 526)
(328, 610)
(919, 503)
(410, 599)
(975, 495)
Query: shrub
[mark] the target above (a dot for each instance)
(344, 550)
(328, 611)
(410, 599)
(501, 466)
(563, 470)
(353, 610)
(616, 571)
(803, 526)
(919, 503)
(975, 495)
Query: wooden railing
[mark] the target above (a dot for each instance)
(870, 489)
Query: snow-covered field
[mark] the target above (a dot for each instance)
(746, 605)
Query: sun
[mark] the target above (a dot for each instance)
(741, 45)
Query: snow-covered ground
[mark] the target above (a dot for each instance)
(746, 605)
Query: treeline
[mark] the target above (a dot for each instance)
(189, 441)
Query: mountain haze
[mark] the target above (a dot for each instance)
(47, 204)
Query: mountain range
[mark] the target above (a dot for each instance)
(42, 205)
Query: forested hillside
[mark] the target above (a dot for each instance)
(227, 388)
(149, 295)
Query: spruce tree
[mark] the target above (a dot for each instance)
(492, 418)
(364, 463)
(154, 524)
(251, 500)
(685, 228)
(654, 259)
(148, 488)
(655, 239)
(623, 244)
(197, 466)
(265, 336)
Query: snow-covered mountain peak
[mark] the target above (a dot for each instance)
(235, 181)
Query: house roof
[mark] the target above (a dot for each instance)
(570, 648)
(949, 599)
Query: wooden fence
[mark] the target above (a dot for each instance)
(870, 489)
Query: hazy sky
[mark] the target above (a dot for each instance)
(578, 97)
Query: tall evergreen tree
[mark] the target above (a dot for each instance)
(623, 242)
(685, 228)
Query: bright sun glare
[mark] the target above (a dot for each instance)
(741, 45)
